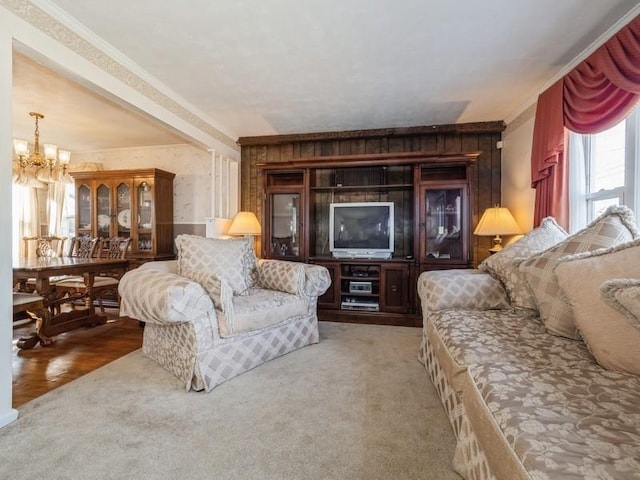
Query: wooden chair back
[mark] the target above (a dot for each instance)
(84, 247)
(114, 247)
(43, 246)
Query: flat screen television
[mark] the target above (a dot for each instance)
(361, 230)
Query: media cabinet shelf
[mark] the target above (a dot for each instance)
(432, 204)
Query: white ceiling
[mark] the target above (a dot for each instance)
(290, 66)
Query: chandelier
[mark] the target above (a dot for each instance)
(45, 164)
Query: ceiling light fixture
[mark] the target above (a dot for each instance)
(45, 164)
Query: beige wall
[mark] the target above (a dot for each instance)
(517, 194)
(192, 166)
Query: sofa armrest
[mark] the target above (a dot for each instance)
(159, 297)
(469, 289)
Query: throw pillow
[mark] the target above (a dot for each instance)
(218, 289)
(615, 226)
(611, 337)
(624, 295)
(230, 259)
(504, 264)
(281, 275)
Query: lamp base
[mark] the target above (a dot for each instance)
(497, 245)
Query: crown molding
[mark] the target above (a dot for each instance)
(66, 30)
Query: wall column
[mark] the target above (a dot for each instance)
(7, 414)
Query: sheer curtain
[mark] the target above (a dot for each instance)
(55, 207)
(577, 183)
(24, 217)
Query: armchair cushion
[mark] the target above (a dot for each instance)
(258, 309)
(281, 275)
(231, 259)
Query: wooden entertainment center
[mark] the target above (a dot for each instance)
(432, 198)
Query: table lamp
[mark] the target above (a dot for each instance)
(245, 223)
(497, 221)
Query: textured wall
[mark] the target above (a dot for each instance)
(192, 166)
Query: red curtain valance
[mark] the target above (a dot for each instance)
(597, 94)
(602, 90)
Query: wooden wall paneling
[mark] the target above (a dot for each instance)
(485, 195)
(452, 143)
(307, 149)
(429, 143)
(372, 145)
(286, 152)
(396, 145)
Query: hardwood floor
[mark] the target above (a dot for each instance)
(71, 355)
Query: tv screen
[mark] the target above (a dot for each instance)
(361, 230)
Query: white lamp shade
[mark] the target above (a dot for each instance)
(497, 221)
(245, 223)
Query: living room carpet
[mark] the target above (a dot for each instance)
(358, 405)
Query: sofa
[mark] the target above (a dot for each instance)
(535, 355)
(217, 311)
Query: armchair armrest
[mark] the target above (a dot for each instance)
(159, 297)
(470, 289)
(167, 266)
(317, 280)
(292, 277)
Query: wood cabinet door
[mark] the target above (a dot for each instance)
(394, 288)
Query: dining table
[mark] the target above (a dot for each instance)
(42, 270)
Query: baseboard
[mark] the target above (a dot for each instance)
(8, 417)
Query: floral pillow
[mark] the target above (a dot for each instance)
(504, 264)
(231, 259)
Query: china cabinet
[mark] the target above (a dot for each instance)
(137, 204)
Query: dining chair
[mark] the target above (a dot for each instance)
(84, 247)
(43, 246)
(106, 282)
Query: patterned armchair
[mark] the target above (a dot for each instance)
(217, 312)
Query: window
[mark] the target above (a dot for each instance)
(604, 170)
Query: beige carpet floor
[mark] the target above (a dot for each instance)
(356, 406)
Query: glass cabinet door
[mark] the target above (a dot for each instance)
(123, 209)
(145, 216)
(444, 233)
(103, 198)
(83, 205)
(284, 225)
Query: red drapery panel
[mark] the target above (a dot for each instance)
(596, 95)
(548, 167)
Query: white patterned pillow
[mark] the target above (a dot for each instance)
(217, 288)
(504, 264)
(612, 338)
(281, 276)
(231, 259)
(624, 295)
(615, 226)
